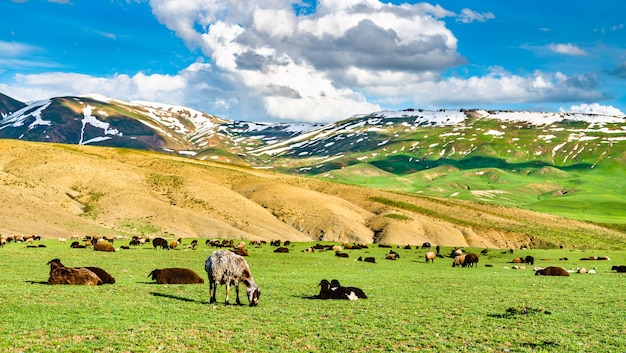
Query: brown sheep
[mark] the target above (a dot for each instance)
(175, 275)
(241, 251)
(60, 274)
(470, 260)
(367, 259)
(281, 249)
(458, 261)
(102, 246)
(430, 256)
(551, 271)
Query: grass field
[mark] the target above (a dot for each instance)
(412, 305)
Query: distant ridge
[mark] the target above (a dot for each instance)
(571, 164)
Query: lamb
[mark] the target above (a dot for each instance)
(351, 291)
(335, 291)
(430, 256)
(60, 274)
(551, 271)
(175, 275)
(227, 268)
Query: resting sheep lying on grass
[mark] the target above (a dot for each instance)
(333, 290)
(551, 271)
(60, 274)
(175, 275)
(228, 268)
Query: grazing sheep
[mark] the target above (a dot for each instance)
(530, 260)
(620, 268)
(241, 251)
(175, 275)
(456, 252)
(281, 249)
(430, 256)
(367, 259)
(458, 261)
(551, 271)
(227, 268)
(471, 259)
(175, 243)
(160, 242)
(101, 246)
(60, 274)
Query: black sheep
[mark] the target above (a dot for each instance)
(160, 242)
(334, 284)
(620, 269)
(530, 260)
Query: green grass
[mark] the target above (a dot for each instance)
(412, 305)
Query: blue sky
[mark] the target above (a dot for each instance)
(281, 60)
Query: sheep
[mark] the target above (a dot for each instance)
(160, 242)
(328, 291)
(620, 269)
(458, 261)
(367, 259)
(104, 276)
(551, 271)
(391, 257)
(350, 291)
(60, 274)
(456, 252)
(309, 249)
(101, 246)
(530, 260)
(241, 251)
(430, 256)
(470, 260)
(281, 249)
(175, 275)
(426, 245)
(175, 243)
(341, 254)
(226, 268)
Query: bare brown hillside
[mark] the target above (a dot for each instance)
(61, 190)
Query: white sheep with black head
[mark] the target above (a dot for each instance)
(227, 268)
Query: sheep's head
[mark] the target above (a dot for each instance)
(155, 274)
(54, 262)
(254, 293)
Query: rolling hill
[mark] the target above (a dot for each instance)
(564, 164)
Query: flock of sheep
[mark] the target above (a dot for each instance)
(229, 268)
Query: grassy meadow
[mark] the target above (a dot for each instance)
(412, 305)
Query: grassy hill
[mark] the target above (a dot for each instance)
(60, 190)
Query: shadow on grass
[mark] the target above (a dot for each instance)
(170, 296)
(37, 282)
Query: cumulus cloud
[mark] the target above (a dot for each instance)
(301, 67)
(594, 108)
(323, 62)
(567, 49)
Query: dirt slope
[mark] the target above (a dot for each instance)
(59, 190)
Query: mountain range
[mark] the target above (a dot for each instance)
(567, 164)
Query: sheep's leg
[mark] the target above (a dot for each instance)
(237, 292)
(212, 290)
(227, 292)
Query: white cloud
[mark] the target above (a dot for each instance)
(594, 108)
(469, 16)
(567, 49)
